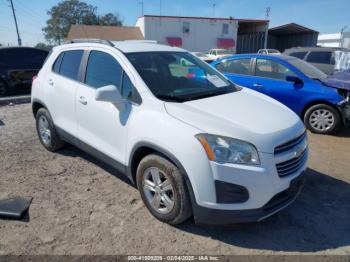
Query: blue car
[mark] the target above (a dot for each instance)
(295, 83)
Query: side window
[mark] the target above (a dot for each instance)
(319, 57)
(56, 66)
(70, 64)
(237, 66)
(102, 70)
(129, 92)
(271, 69)
(185, 27)
(299, 55)
(224, 29)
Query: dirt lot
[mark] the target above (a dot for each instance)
(81, 206)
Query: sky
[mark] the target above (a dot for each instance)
(325, 16)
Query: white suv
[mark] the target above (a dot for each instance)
(191, 140)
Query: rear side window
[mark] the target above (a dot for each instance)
(71, 63)
(102, 70)
(57, 64)
(299, 55)
(319, 57)
(237, 66)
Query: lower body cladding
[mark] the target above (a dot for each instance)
(249, 194)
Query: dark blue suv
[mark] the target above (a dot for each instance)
(295, 83)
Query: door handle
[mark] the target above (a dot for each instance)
(82, 100)
(50, 82)
(257, 85)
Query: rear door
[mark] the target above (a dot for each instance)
(270, 76)
(238, 71)
(323, 60)
(64, 81)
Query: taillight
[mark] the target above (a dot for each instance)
(34, 77)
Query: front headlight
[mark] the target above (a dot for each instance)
(229, 150)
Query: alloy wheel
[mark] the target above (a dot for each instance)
(158, 190)
(44, 130)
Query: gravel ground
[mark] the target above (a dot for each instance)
(81, 206)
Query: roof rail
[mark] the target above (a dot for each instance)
(90, 40)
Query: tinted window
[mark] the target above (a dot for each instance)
(129, 92)
(70, 64)
(103, 70)
(238, 66)
(271, 69)
(319, 57)
(300, 55)
(57, 64)
(23, 57)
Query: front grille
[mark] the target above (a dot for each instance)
(297, 158)
(290, 144)
(290, 166)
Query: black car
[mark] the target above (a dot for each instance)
(17, 67)
(327, 59)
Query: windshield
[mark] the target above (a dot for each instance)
(224, 52)
(200, 54)
(308, 69)
(179, 76)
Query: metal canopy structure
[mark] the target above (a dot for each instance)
(291, 35)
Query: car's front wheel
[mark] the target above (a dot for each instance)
(163, 189)
(46, 131)
(322, 119)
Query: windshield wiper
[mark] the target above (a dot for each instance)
(170, 98)
(207, 94)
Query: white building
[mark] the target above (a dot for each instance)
(201, 33)
(334, 40)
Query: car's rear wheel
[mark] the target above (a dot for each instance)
(3, 88)
(322, 119)
(163, 189)
(46, 131)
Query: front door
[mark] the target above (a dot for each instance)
(101, 125)
(270, 76)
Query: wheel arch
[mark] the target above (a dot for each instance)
(36, 105)
(318, 102)
(142, 149)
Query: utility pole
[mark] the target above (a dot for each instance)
(341, 36)
(160, 7)
(141, 3)
(267, 15)
(14, 17)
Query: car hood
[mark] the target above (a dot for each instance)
(339, 80)
(245, 115)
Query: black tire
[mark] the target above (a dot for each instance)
(181, 209)
(4, 90)
(55, 142)
(332, 113)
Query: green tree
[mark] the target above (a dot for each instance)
(43, 46)
(71, 12)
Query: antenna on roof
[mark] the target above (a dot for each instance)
(214, 5)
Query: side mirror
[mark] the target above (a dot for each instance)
(295, 80)
(110, 94)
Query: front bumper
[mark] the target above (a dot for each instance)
(344, 109)
(283, 199)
